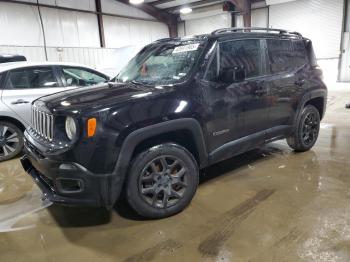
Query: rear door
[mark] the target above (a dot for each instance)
(287, 78)
(24, 85)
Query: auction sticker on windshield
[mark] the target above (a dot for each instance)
(185, 48)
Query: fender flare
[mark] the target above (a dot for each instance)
(139, 135)
(307, 97)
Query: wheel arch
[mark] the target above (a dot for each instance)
(14, 121)
(317, 102)
(317, 98)
(185, 132)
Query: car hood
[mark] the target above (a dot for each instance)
(97, 96)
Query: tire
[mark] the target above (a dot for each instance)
(11, 140)
(162, 181)
(306, 131)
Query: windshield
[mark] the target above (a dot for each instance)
(161, 64)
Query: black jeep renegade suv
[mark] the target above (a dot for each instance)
(178, 106)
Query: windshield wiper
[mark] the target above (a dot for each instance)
(136, 82)
(142, 82)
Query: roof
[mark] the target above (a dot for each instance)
(15, 65)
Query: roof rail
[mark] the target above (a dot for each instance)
(249, 29)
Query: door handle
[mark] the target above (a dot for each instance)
(19, 101)
(300, 82)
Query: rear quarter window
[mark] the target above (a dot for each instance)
(286, 55)
(299, 58)
(280, 53)
(310, 53)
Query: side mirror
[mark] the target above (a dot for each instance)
(232, 75)
(82, 82)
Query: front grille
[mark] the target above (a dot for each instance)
(42, 123)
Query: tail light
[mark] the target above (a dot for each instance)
(318, 71)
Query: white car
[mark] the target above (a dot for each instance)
(23, 82)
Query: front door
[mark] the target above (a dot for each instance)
(24, 85)
(237, 112)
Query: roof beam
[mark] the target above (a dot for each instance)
(203, 3)
(169, 19)
(160, 2)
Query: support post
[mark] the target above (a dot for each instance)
(244, 6)
(101, 30)
(172, 25)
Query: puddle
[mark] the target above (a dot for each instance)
(29, 203)
(14, 182)
(326, 125)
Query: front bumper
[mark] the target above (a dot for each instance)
(69, 183)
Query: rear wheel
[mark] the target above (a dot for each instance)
(162, 181)
(307, 129)
(11, 140)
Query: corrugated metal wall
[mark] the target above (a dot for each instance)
(204, 22)
(121, 32)
(207, 24)
(319, 20)
(259, 18)
(72, 35)
(93, 57)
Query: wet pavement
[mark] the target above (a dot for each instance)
(269, 204)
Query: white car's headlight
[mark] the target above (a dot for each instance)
(71, 128)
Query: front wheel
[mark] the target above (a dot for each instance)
(306, 131)
(11, 140)
(162, 181)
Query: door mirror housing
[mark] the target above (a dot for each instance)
(82, 82)
(233, 75)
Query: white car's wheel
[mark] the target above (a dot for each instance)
(11, 140)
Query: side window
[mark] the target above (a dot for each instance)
(280, 55)
(75, 76)
(299, 57)
(244, 53)
(34, 77)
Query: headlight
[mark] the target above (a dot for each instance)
(71, 128)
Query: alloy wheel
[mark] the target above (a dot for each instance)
(310, 128)
(163, 181)
(9, 140)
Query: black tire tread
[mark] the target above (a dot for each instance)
(132, 197)
(295, 141)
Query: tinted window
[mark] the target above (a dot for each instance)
(243, 53)
(299, 57)
(280, 55)
(35, 77)
(81, 77)
(311, 53)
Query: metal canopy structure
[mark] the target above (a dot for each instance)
(168, 11)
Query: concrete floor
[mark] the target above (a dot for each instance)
(266, 205)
